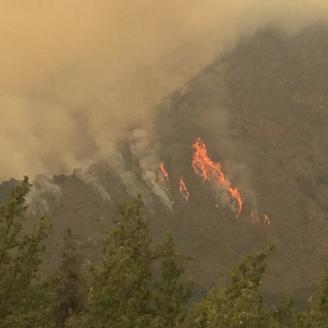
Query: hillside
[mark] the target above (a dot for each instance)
(262, 111)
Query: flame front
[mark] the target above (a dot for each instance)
(164, 171)
(184, 190)
(212, 172)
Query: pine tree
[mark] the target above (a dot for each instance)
(172, 292)
(238, 305)
(21, 299)
(120, 292)
(68, 283)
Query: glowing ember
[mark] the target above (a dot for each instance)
(212, 172)
(164, 171)
(266, 219)
(184, 190)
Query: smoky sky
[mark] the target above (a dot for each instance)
(77, 74)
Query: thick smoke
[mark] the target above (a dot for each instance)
(75, 75)
(147, 159)
(43, 190)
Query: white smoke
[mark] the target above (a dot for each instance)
(126, 175)
(69, 86)
(91, 179)
(145, 154)
(43, 189)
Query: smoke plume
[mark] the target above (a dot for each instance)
(43, 189)
(92, 180)
(147, 159)
(76, 75)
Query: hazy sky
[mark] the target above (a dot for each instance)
(76, 74)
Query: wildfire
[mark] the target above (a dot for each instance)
(266, 219)
(212, 172)
(184, 190)
(164, 171)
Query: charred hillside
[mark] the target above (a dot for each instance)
(262, 111)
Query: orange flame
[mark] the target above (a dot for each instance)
(184, 190)
(212, 172)
(266, 219)
(164, 171)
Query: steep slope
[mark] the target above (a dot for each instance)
(263, 112)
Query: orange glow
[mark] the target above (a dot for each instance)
(184, 190)
(212, 172)
(164, 171)
(266, 219)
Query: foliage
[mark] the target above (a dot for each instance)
(318, 317)
(136, 283)
(239, 304)
(68, 284)
(172, 292)
(120, 292)
(20, 258)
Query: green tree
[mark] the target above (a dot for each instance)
(318, 314)
(22, 301)
(239, 304)
(68, 284)
(120, 294)
(172, 292)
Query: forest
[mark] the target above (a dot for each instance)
(136, 283)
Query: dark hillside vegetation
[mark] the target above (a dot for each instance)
(263, 112)
(136, 283)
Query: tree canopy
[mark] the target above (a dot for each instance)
(137, 283)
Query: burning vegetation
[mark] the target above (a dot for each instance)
(164, 172)
(212, 173)
(184, 190)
